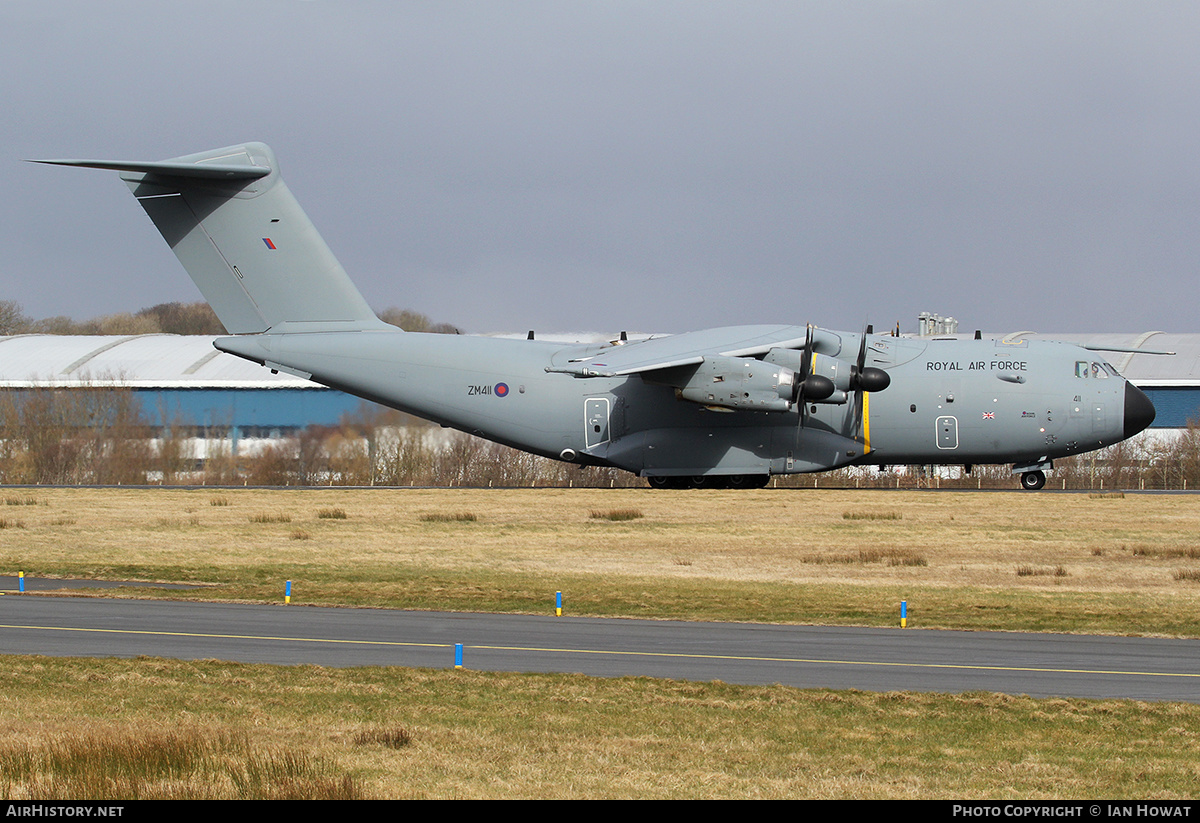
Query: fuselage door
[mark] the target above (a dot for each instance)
(595, 421)
(947, 432)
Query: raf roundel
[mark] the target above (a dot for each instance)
(501, 390)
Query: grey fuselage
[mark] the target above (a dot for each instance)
(949, 402)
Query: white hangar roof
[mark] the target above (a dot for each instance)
(135, 361)
(177, 361)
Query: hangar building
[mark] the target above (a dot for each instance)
(180, 381)
(184, 381)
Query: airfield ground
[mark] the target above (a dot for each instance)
(1019, 561)
(1127, 565)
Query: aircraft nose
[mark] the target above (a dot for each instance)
(1139, 411)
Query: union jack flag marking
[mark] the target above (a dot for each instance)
(989, 415)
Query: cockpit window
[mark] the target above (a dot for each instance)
(1083, 368)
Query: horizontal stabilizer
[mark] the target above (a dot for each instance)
(209, 172)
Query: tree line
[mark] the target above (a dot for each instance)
(101, 436)
(172, 318)
(86, 436)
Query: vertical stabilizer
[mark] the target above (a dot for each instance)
(252, 251)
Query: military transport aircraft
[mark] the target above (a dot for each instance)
(725, 407)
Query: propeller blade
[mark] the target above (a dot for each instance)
(856, 384)
(864, 378)
(802, 386)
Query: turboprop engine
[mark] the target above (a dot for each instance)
(829, 379)
(729, 383)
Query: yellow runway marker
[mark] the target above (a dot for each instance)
(234, 636)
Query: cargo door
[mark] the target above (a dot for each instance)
(595, 421)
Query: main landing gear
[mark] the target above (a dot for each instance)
(1032, 481)
(714, 481)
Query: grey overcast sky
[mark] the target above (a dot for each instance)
(652, 166)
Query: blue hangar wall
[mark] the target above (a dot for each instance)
(250, 412)
(1174, 406)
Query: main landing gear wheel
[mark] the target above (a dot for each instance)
(729, 481)
(663, 482)
(1032, 481)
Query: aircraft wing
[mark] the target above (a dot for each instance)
(684, 350)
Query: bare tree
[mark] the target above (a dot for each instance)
(410, 320)
(12, 318)
(92, 435)
(184, 318)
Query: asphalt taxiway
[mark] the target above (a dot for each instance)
(804, 656)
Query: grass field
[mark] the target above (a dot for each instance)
(157, 728)
(1041, 562)
(207, 729)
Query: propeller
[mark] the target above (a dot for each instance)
(864, 378)
(867, 378)
(810, 386)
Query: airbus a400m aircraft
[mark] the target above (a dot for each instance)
(724, 407)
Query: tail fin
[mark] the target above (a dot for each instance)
(252, 251)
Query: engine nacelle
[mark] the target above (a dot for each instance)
(740, 383)
(838, 372)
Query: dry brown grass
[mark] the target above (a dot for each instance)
(392, 737)
(228, 730)
(616, 515)
(478, 735)
(271, 517)
(698, 540)
(104, 762)
(743, 535)
(859, 515)
(449, 517)
(1039, 571)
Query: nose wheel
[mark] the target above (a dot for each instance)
(1032, 481)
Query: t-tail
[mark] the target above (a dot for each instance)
(251, 250)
